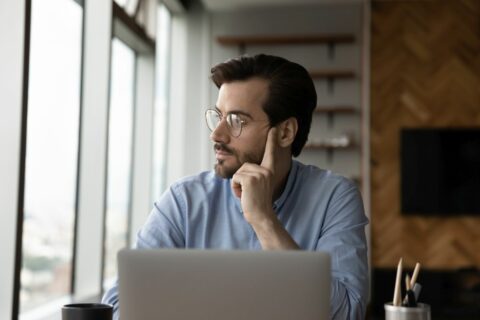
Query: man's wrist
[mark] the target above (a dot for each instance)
(272, 234)
(263, 221)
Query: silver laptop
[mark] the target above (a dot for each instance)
(223, 285)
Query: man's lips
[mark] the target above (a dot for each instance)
(221, 152)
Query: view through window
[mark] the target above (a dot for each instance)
(52, 150)
(120, 137)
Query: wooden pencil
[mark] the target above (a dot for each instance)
(397, 294)
(415, 275)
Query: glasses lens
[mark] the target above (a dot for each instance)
(235, 124)
(213, 119)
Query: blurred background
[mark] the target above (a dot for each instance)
(103, 108)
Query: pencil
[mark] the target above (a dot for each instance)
(415, 275)
(407, 288)
(397, 294)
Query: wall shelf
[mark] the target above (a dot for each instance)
(331, 111)
(336, 109)
(329, 39)
(332, 74)
(328, 146)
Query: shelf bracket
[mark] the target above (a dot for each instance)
(330, 119)
(242, 48)
(330, 84)
(331, 50)
(329, 155)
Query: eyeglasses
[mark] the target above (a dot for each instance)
(234, 122)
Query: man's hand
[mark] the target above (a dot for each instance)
(254, 184)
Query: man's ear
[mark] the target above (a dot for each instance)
(287, 132)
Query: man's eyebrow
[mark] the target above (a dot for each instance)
(239, 112)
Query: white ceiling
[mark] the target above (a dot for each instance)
(219, 5)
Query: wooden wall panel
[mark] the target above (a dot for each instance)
(425, 62)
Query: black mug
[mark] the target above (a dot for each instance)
(87, 311)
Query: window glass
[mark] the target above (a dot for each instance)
(119, 171)
(52, 151)
(121, 3)
(161, 101)
(129, 6)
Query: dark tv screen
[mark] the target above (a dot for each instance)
(440, 171)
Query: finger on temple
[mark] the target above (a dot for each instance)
(268, 160)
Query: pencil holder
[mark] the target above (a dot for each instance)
(421, 312)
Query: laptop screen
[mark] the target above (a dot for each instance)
(210, 285)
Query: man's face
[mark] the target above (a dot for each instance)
(244, 98)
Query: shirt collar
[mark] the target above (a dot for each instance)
(277, 204)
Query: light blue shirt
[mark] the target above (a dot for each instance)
(320, 210)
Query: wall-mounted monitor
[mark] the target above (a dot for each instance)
(440, 171)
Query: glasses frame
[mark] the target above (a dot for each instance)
(229, 122)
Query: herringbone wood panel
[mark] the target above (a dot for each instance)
(425, 73)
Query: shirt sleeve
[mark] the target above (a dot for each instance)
(343, 236)
(163, 229)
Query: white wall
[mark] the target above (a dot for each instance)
(188, 144)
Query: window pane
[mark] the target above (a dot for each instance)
(119, 153)
(161, 101)
(52, 150)
(121, 3)
(131, 6)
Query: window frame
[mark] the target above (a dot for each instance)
(14, 30)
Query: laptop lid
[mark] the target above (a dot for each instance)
(213, 285)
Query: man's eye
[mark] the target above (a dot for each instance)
(236, 118)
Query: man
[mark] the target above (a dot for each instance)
(258, 197)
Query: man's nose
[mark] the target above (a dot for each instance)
(221, 133)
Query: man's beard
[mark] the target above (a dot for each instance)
(228, 172)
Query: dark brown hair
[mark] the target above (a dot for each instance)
(291, 89)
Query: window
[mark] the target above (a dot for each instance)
(161, 101)
(119, 171)
(130, 6)
(121, 3)
(52, 151)
(81, 158)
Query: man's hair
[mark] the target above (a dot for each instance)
(291, 89)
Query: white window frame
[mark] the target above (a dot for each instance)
(13, 16)
(90, 219)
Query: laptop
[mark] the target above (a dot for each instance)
(168, 284)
